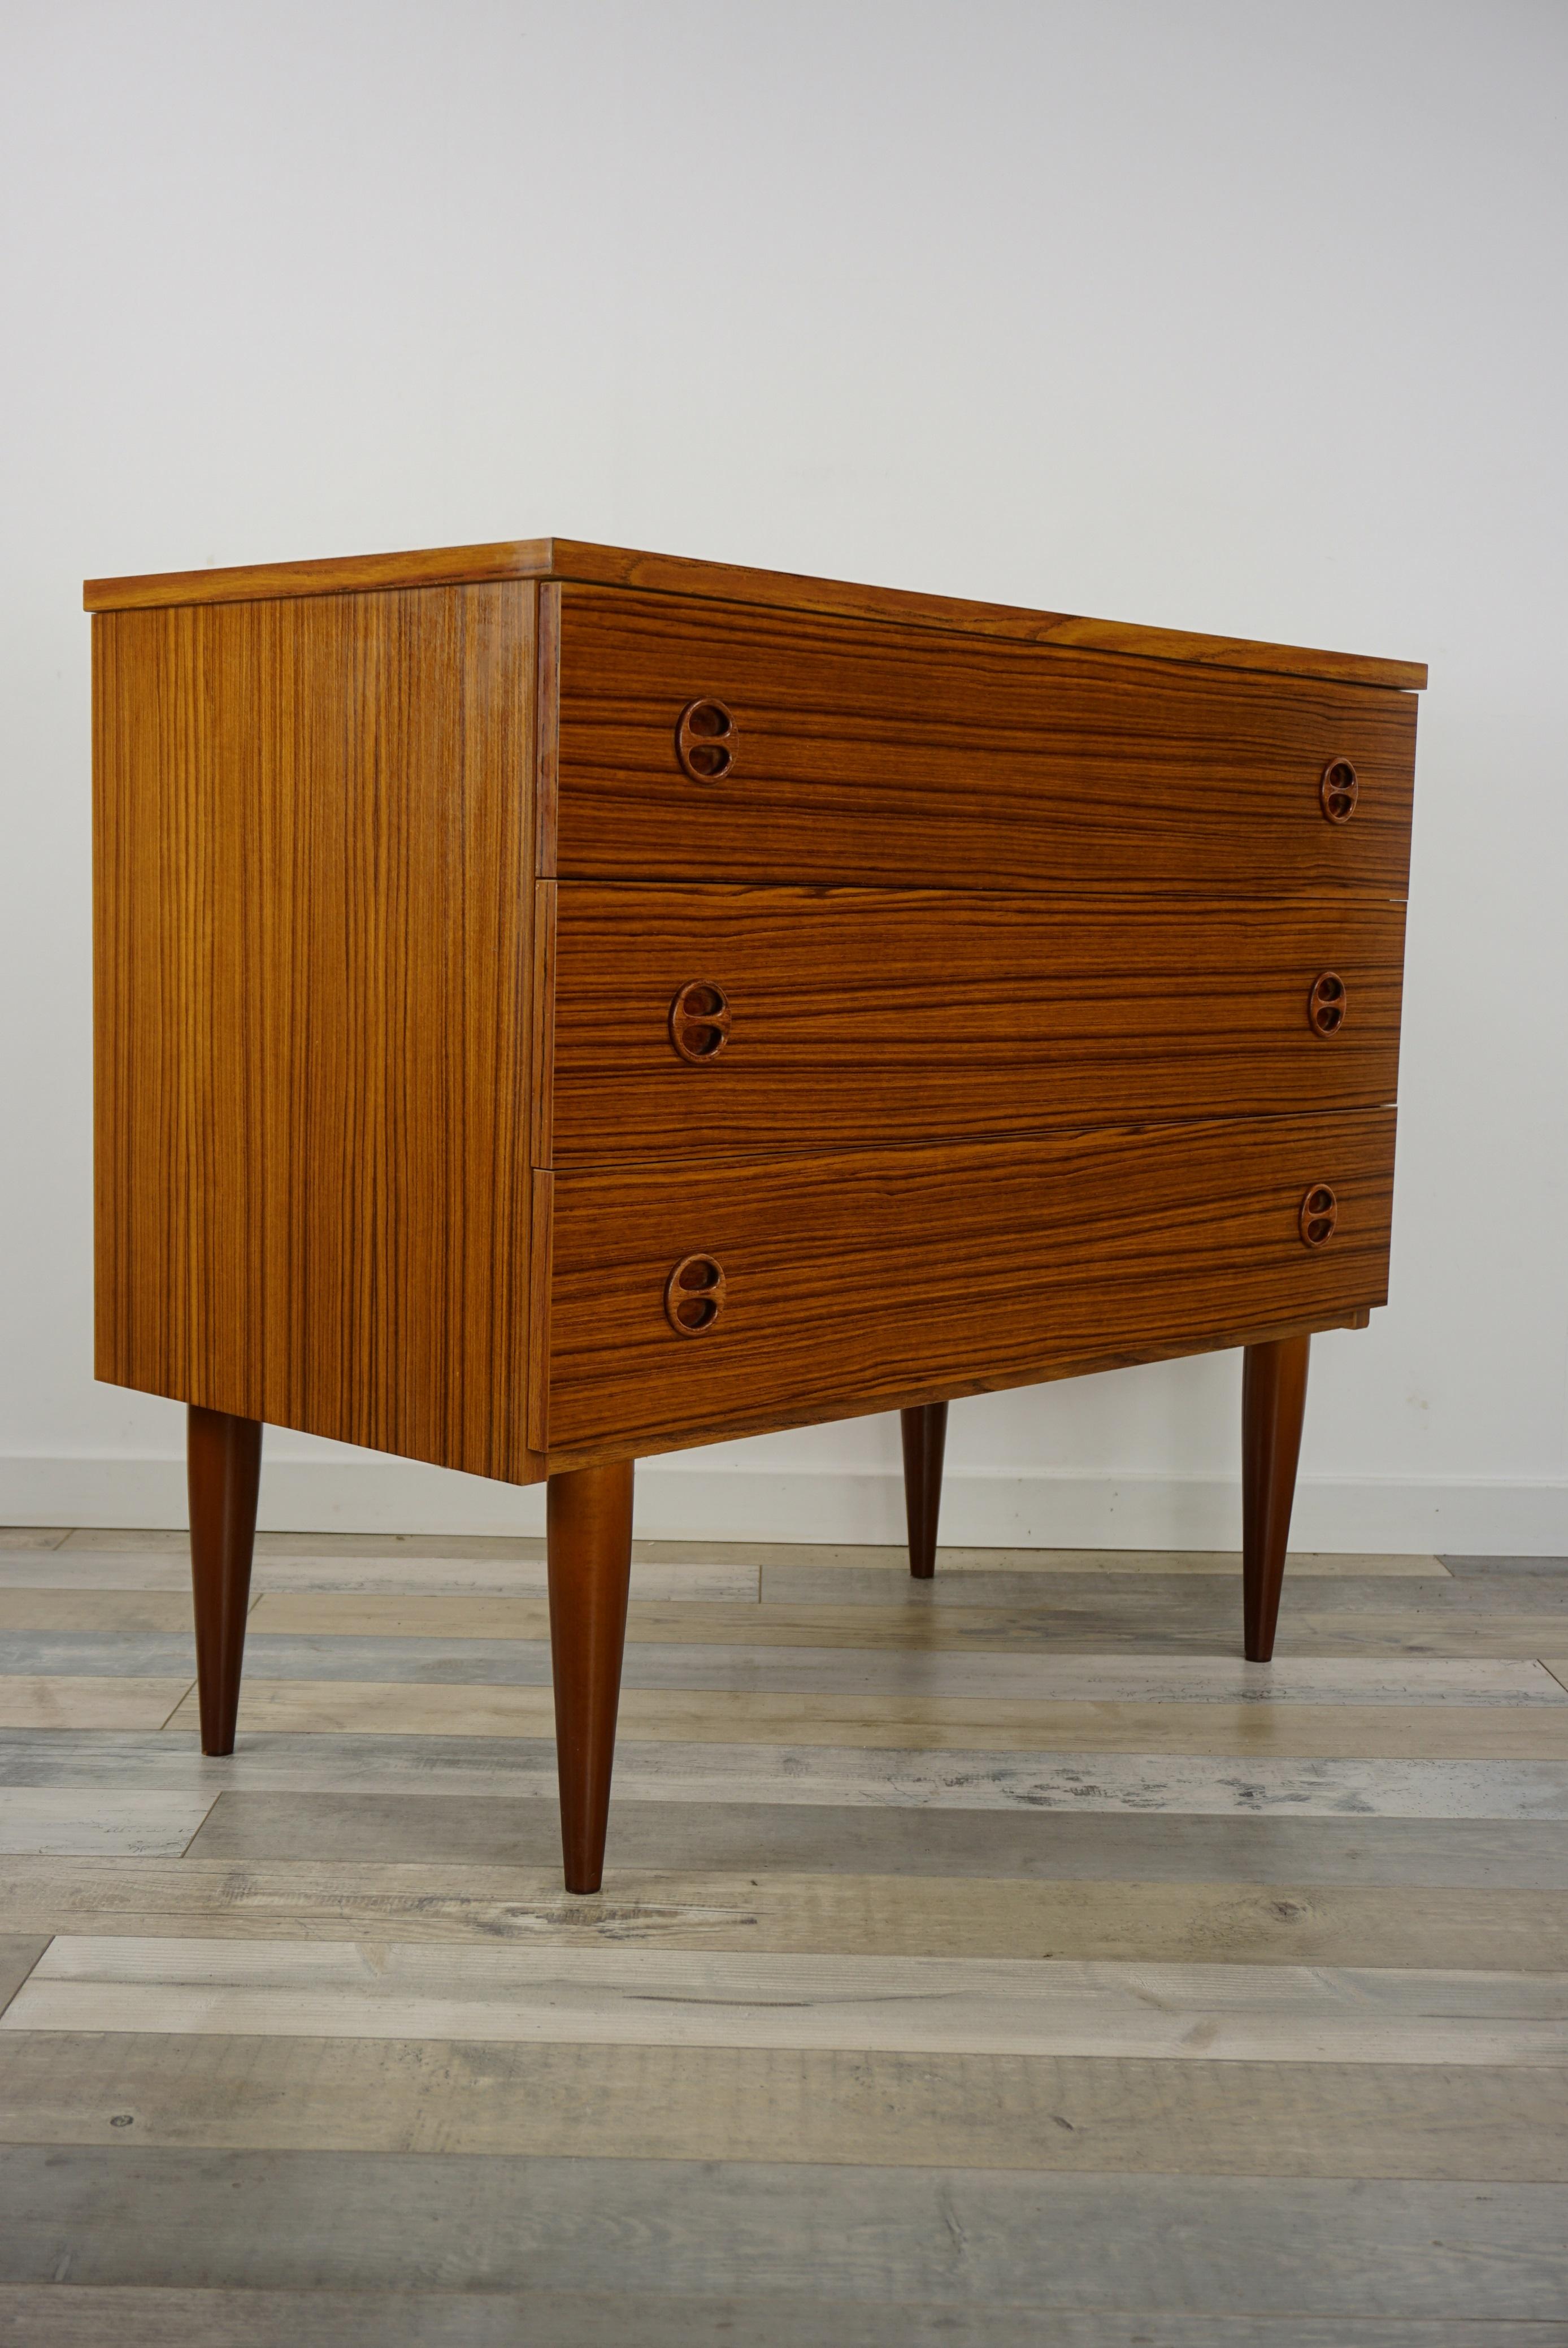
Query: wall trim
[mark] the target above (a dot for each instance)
(680, 1500)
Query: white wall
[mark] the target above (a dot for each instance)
(1239, 317)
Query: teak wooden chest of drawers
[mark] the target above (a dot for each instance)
(556, 1004)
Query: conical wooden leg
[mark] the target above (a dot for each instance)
(924, 1437)
(1273, 1402)
(589, 1520)
(223, 1469)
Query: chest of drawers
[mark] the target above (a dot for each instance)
(555, 1005)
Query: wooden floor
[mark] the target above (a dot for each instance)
(1000, 1960)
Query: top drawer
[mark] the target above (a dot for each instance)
(860, 752)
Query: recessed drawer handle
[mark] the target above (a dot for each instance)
(1340, 789)
(694, 1295)
(1319, 1213)
(708, 740)
(1327, 1003)
(699, 1021)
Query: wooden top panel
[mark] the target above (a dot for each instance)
(614, 566)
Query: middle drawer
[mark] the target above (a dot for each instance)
(696, 1020)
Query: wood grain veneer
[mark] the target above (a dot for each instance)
(876, 1276)
(312, 1014)
(867, 754)
(617, 566)
(880, 1014)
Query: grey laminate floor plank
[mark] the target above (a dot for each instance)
(479, 1548)
(1419, 1633)
(1377, 1737)
(683, 1996)
(960, 1777)
(176, 1541)
(1472, 1568)
(123, 1650)
(1082, 1629)
(62, 2316)
(668, 1648)
(67, 1569)
(1051, 2113)
(952, 1560)
(814, 1774)
(47, 1701)
(773, 1776)
(452, 1900)
(65, 1820)
(1163, 1597)
(297, 1821)
(20, 1952)
(710, 1582)
(49, 1607)
(962, 2238)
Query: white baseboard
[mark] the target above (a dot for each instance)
(678, 1499)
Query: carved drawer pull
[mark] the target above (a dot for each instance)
(1327, 1003)
(694, 1295)
(1319, 1213)
(699, 1021)
(1340, 788)
(708, 740)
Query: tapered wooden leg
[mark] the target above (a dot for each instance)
(223, 1468)
(589, 1521)
(924, 1437)
(1274, 1402)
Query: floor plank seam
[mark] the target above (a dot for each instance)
(178, 1705)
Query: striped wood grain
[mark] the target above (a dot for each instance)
(1182, 1006)
(313, 1194)
(972, 1265)
(862, 761)
(726, 583)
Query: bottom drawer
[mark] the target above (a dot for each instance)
(825, 1284)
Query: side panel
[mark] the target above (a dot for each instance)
(314, 980)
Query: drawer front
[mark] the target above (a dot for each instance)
(865, 753)
(853, 1016)
(861, 1278)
